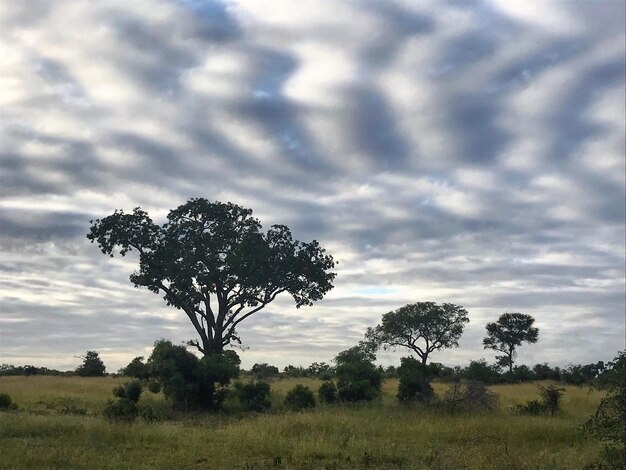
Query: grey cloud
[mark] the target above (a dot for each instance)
(490, 259)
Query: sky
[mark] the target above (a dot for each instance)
(459, 151)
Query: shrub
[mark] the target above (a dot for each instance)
(136, 368)
(253, 396)
(190, 382)
(468, 397)
(121, 409)
(130, 390)
(149, 413)
(300, 398)
(551, 397)
(358, 379)
(6, 403)
(414, 377)
(327, 392)
(153, 386)
(532, 407)
(607, 424)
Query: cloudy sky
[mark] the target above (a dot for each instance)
(455, 151)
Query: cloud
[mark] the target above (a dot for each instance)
(470, 152)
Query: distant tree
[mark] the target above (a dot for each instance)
(264, 370)
(92, 365)
(423, 327)
(480, 371)
(545, 372)
(509, 332)
(212, 261)
(294, 371)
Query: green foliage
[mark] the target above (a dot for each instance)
(253, 396)
(531, 407)
(137, 369)
(190, 382)
(6, 403)
(153, 386)
(212, 261)
(551, 397)
(608, 424)
(130, 390)
(509, 332)
(423, 327)
(264, 371)
(327, 392)
(300, 398)
(480, 371)
(92, 365)
(414, 381)
(121, 409)
(358, 379)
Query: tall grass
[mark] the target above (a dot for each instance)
(378, 435)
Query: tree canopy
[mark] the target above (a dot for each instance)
(423, 327)
(509, 332)
(92, 365)
(211, 260)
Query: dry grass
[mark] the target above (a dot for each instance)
(380, 435)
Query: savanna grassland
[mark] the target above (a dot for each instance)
(59, 425)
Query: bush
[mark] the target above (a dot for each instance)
(149, 413)
(358, 379)
(130, 390)
(190, 382)
(6, 403)
(551, 397)
(414, 378)
(121, 409)
(607, 424)
(300, 398)
(137, 369)
(327, 393)
(468, 397)
(532, 407)
(153, 386)
(253, 396)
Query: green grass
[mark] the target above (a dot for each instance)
(380, 435)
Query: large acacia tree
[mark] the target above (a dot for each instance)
(509, 332)
(212, 261)
(423, 327)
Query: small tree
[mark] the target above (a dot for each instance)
(509, 332)
(92, 365)
(358, 379)
(327, 392)
(414, 381)
(300, 398)
(423, 327)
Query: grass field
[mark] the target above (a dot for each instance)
(382, 435)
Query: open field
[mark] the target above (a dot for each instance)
(379, 435)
